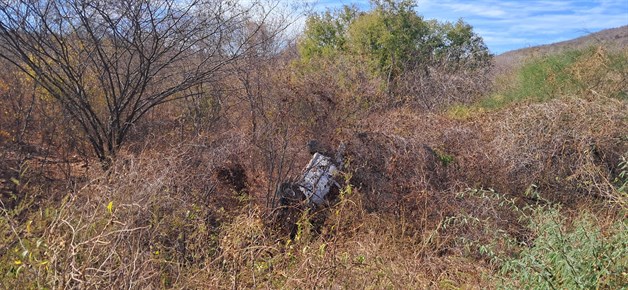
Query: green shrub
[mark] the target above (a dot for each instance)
(392, 39)
(580, 256)
(587, 73)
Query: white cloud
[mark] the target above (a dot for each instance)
(479, 10)
(509, 24)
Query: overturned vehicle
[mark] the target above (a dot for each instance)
(314, 188)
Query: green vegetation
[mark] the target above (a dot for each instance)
(393, 39)
(570, 255)
(584, 73)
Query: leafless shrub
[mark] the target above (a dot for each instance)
(436, 86)
(399, 153)
(570, 145)
(601, 73)
(108, 63)
(139, 225)
(568, 148)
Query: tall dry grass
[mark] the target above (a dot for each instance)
(428, 200)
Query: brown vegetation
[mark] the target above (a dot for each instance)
(429, 199)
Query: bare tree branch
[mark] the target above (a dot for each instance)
(109, 62)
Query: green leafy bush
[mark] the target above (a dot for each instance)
(576, 256)
(392, 39)
(393, 52)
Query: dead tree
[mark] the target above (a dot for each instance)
(109, 62)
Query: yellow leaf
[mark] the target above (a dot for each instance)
(17, 262)
(110, 207)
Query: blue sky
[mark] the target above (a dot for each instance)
(509, 24)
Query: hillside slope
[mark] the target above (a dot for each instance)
(611, 39)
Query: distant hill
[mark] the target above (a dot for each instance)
(612, 39)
